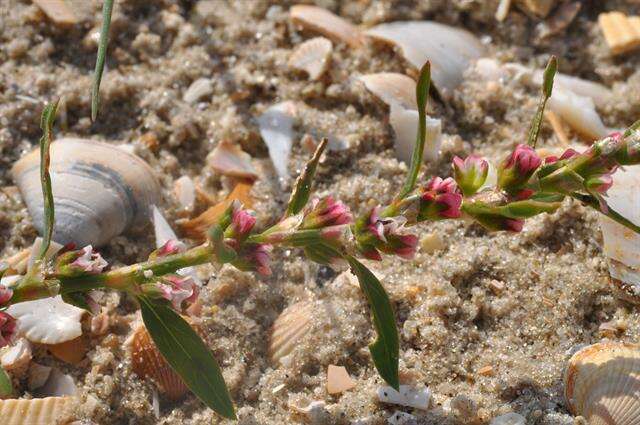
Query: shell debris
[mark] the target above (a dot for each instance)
(230, 160)
(537, 8)
(289, 329)
(58, 11)
(401, 418)
(602, 383)
(16, 356)
(392, 87)
(509, 419)
(405, 126)
(326, 23)
(72, 351)
(49, 410)
(197, 90)
(410, 396)
(503, 10)
(312, 56)
(338, 380)
(579, 112)
(276, 129)
(184, 191)
(621, 32)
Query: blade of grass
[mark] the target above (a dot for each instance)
(107, 8)
(46, 123)
(547, 88)
(302, 188)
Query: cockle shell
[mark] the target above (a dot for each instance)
(228, 159)
(326, 23)
(288, 330)
(38, 411)
(312, 57)
(147, 361)
(602, 384)
(451, 50)
(99, 190)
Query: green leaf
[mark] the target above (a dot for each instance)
(422, 92)
(302, 188)
(46, 123)
(385, 351)
(77, 299)
(187, 355)
(547, 88)
(6, 389)
(107, 8)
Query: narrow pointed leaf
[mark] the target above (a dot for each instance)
(46, 123)
(385, 350)
(302, 187)
(107, 8)
(187, 355)
(6, 389)
(547, 88)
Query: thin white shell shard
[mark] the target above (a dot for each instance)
(579, 112)
(326, 23)
(451, 50)
(230, 160)
(408, 396)
(54, 247)
(48, 320)
(163, 230)
(509, 419)
(276, 129)
(392, 87)
(16, 355)
(312, 57)
(185, 192)
(405, 126)
(58, 385)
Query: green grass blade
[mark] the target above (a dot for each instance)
(547, 89)
(302, 188)
(107, 8)
(6, 389)
(46, 123)
(385, 350)
(187, 354)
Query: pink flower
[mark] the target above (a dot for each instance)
(518, 167)
(89, 261)
(171, 247)
(440, 199)
(255, 257)
(600, 183)
(242, 223)
(326, 212)
(5, 294)
(470, 173)
(7, 328)
(569, 153)
(178, 289)
(386, 235)
(513, 225)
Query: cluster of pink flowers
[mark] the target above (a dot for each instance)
(388, 235)
(517, 168)
(250, 256)
(83, 261)
(440, 199)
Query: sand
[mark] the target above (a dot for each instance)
(490, 319)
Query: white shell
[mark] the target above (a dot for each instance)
(38, 375)
(622, 245)
(58, 385)
(16, 355)
(48, 320)
(49, 410)
(163, 233)
(197, 90)
(185, 192)
(579, 112)
(509, 419)
(392, 88)
(230, 160)
(312, 57)
(401, 418)
(326, 23)
(405, 126)
(99, 190)
(602, 383)
(409, 396)
(289, 329)
(451, 50)
(276, 129)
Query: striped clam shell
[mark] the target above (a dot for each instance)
(99, 190)
(289, 329)
(602, 384)
(49, 410)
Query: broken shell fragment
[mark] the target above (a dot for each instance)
(99, 190)
(326, 23)
(72, 351)
(509, 419)
(276, 129)
(185, 192)
(147, 361)
(405, 126)
(58, 11)
(38, 375)
(451, 50)
(49, 410)
(289, 329)
(17, 355)
(621, 32)
(392, 87)
(338, 380)
(537, 8)
(228, 159)
(197, 90)
(602, 383)
(58, 385)
(312, 57)
(579, 112)
(409, 396)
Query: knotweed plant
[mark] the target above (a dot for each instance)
(327, 233)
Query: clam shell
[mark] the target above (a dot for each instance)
(228, 159)
(602, 384)
(49, 410)
(312, 57)
(392, 88)
(326, 23)
(451, 50)
(288, 330)
(147, 361)
(99, 190)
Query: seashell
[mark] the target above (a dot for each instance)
(54, 247)
(164, 233)
(622, 245)
(405, 126)
(17, 355)
(72, 352)
(17, 262)
(58, 11)
(621, 32)
(49, 410)
(417, 397)
(401, 418)
(147, 361)
(602, 383)
(228, 159)
(288, 330)
(58, 385)
(392, 88)
(185, 192)
(451, 50)
(503, 10)
(312, 57)
(326, 23)
(537, 8)
(579, 112)
(99, 190)
(338, 380)
(48, 320)
(559, 21)
(197, 90)
(509, 419)
(38, 375)
(276, 129)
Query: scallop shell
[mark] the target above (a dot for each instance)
(228, 159)
(147, 361)
(49, 410)
(326, 23)
(288, 330)
(99, 190)
(312, 57)
(392, 87)
(602, 383)
(451, 50)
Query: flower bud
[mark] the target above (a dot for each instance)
(5, 294)
(254, 257)
(241, 224)
(325, 212)
(470, 173)
(7, 328)
(170, 247)
(387, 235)
(84, 261)
(440, 199)
(518, 167)
(175, 289)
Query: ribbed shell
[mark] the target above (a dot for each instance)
(289, 328)
(602, 384)
(312, 57)
(37, 411)
(99, 190)
(147, 361)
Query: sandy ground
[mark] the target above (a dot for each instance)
(517, 303)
